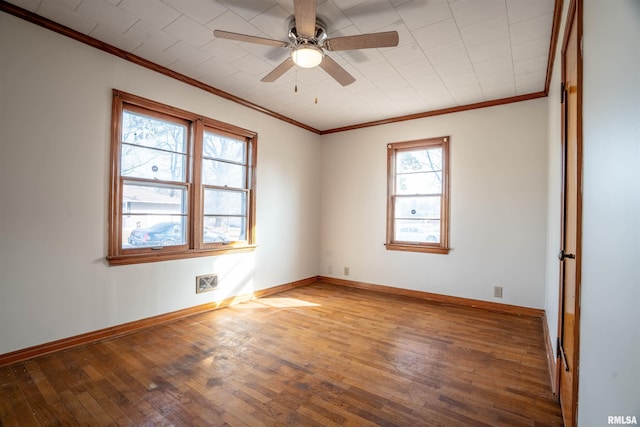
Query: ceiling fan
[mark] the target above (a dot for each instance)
(308, 41)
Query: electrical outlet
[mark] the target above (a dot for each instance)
(330, 269)
(497, 291)
(206, 283)
(346, 271)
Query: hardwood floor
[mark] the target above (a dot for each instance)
(315, 355)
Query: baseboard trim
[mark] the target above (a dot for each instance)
(551, 357)
(439, 298)
(130, 327)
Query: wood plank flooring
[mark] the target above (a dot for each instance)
(318, 355)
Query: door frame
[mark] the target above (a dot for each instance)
(574, 15)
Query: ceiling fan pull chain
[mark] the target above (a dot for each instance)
(295, 88)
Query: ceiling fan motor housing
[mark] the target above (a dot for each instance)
(319, 37)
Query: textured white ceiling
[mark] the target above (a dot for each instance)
(451, 53)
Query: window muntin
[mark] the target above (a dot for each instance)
(418, 199)
(182, 185)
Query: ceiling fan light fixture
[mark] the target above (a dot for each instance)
(307, 55)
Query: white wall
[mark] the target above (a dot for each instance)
(610, 324)
(55, 108)
(498, 205)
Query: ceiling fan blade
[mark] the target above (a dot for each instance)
(249, 39)
(305, 13)
(363, 41)
(278, 71)
(336, 71)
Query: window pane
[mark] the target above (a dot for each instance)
(159, 232)
(222, 174)
(424, 207)
(419, 183)
(421, 160)
(141, 162)
(417, 231)
(224, 229)
(154, 133)
(223, 148)
(224, 202)
(153, 199)
(145, 207)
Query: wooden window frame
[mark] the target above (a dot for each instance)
(441, 247)
(196, 125)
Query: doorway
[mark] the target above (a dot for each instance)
(568, 342)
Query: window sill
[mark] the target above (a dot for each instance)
(126, 259)
(416, 248)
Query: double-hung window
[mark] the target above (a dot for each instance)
(418, 195)
(181, 185)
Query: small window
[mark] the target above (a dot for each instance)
(181, 185)
(418, 195)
